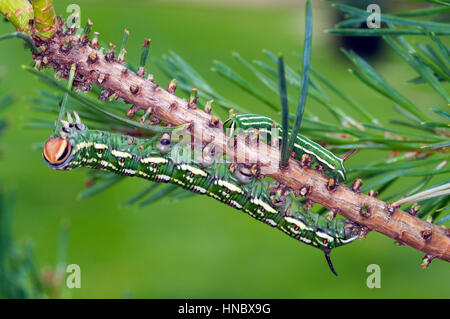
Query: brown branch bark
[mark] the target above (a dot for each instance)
(95, 67)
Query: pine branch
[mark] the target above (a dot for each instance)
(94, 67)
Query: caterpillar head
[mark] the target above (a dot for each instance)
(57, 153)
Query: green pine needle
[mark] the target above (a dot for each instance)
(284, 112)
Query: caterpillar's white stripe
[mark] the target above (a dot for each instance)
(143, 174)
(252, 117)
(100, 146)
(304, 149)
(258, 123)
(179, 182)
(213, 195)
(346, 241)
(163, 177)
(271, 222)
(106, 164)
(305, 240)
(263, 204)
(235, 204)
(323, 235)
(129, 171)
(230, 186)
(121, 154)
(82, 145)
(157, 160)
(298, 223)
(199, 189)
(193, 169)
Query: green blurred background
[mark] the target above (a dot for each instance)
(199, 248)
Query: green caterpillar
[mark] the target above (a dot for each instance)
(332, 165)
(151, 159)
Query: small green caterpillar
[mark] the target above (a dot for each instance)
(151, 159)
(333, 166)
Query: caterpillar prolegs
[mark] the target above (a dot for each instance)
(151, 159)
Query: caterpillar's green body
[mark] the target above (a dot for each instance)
(150, 159)
(333, 165)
